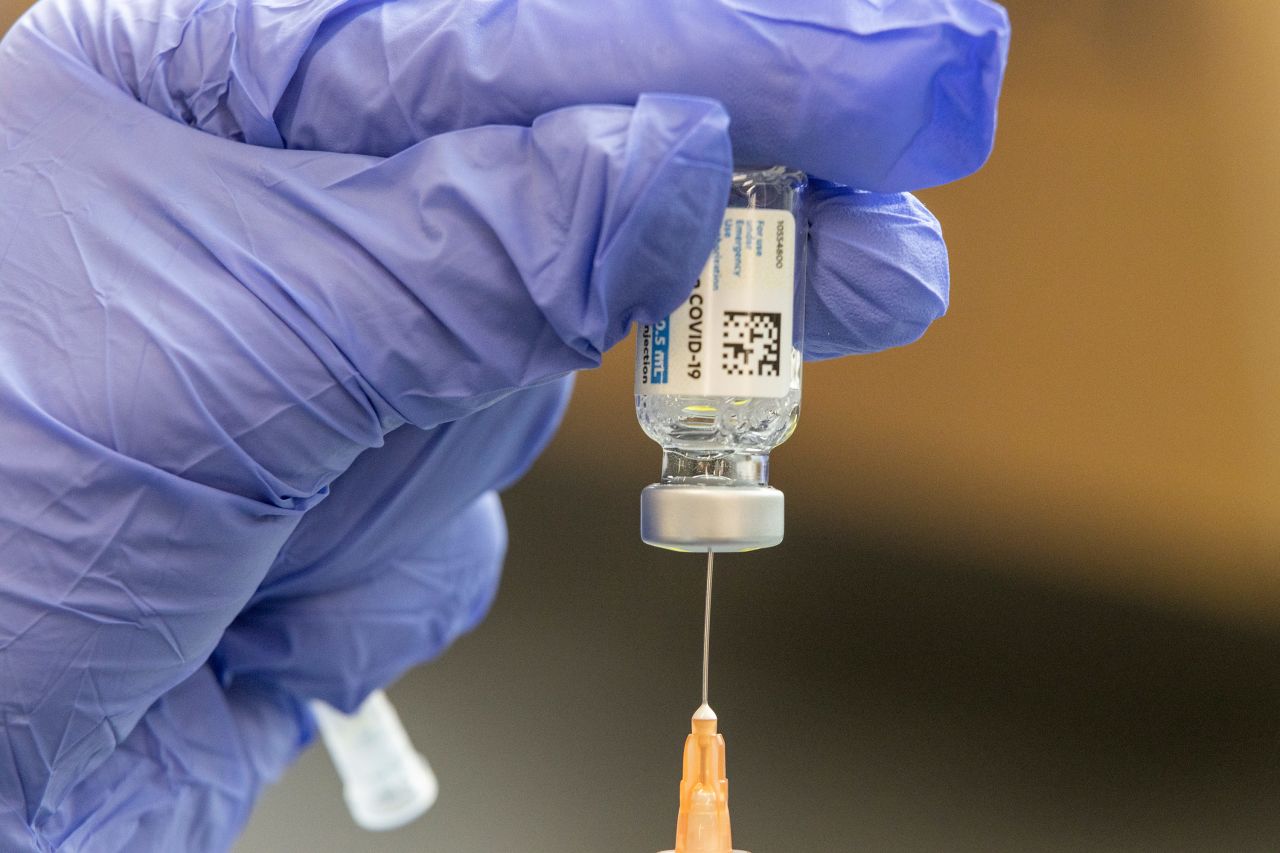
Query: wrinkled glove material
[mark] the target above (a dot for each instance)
(289, 292)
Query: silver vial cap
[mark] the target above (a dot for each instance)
(682, 517)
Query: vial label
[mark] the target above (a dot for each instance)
(732, 336)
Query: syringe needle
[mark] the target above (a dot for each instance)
(703, 823)
(706, 630)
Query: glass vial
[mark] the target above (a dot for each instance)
(718, 380)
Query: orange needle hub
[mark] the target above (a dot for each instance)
(703, 825)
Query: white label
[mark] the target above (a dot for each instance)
(732, 336)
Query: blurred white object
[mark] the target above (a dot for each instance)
(385, 781)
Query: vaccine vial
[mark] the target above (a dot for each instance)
(718, 380)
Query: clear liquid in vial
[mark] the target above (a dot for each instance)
(701, 424)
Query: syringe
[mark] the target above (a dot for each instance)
(717, 385)
(703, 823)
(717, 380)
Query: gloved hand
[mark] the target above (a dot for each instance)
(288, 291)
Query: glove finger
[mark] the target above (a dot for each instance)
(394, 499)
(401, 558)
(883, 96)
(486, 260)
(118, 581)
(185, 778)
(538, 247)
(878, 272)
(342, 641)
(347, 607)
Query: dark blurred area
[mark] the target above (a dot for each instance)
(1030, 593)
(872, 699)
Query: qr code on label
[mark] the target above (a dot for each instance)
(751, 343)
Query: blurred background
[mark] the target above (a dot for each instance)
(1030, 593)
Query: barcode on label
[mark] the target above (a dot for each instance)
(751, 343)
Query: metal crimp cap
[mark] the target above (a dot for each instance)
(683, 517)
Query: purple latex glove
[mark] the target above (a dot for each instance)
(288, 291)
